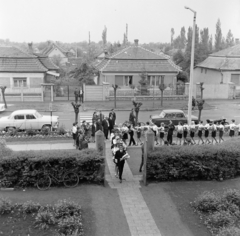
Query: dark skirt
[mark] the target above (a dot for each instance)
(221, 133)
(161, 135)
(192, 134)
(139, 134)
(185, 134)
(74, 136)
(125, 136)
(206, 133)
(179, 135)
(155, 133)
(200, 133)
(231, 133)
(214, 134)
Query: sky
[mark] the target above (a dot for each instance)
(148, 20)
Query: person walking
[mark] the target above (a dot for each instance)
(94, 117)
(220, 132)
(139, 133)
(192, 132)
(171, 128)
(111, 124)
(185, 133)
(113, 114)
(132, 117)
(99, 125)
(131, 134)
(142, 160)
(101, 116)
(200, 132)
(74, 133)
(155, 131)
(161, 133)
(214, 132)
(76, 95)
(232, 129)
(180, 132)
(206, 133)
(124, 130)
(105, 125)
(115, 148)
(93, 128)
(120, 157)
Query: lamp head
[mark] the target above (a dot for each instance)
(186, 7)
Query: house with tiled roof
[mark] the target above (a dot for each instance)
(54, 50)
(23, 74)
(220, 73)
(124, 67)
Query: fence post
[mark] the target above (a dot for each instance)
(148, 147)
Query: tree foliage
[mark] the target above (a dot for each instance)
(218, 37)
(84, 73)
(104, 36)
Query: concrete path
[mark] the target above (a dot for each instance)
(139, 218)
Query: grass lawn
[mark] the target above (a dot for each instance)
(102, 210)
(170, 202)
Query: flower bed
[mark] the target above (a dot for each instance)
(62, 218)
(220, 213)
(23, 168)
(205, 162)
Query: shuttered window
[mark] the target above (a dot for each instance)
(119, 80)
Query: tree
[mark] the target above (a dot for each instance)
(218, 36)
(84, 73)
(229, 39)
(104, 36)
(76, 109)
(137, 106)
(200, 107)
(172, 35)
(3, 88)
(201, 89)
(162, 87)
(143, 82)
(115, 87)
(183, 76)
(183, 38)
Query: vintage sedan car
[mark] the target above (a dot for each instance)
(2, 107)
(174, 115)
(28, 119)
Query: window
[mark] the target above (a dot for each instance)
(235, 78)
(154, 80)
(128, 80)
(19, 82)
(119, 80)
(30, 117)
(19, 117)
(179, 115)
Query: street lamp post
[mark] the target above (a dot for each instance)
(191, 69)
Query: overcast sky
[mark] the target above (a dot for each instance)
(148, 20)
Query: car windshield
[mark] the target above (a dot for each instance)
(162, 114)
(38, 115)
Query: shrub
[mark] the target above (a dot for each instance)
(195, 162)
(46, 130)
(232, 196)
(6, 206)
(61, 130)
(229, 231)
(220, 219)
(45, 218)
(4, 150)
(29, 207)
(31, 132)
(207, 202)
(88, 164)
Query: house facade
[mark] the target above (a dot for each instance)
(220, 73)
(23, 74)
(54, 50)
(125, 67)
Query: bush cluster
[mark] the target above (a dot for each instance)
(4, 150)
(65, 216)
(220, 213)
(204, 162)
(23, 168)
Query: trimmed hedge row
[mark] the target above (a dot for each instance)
(204, 162)
(22, 168)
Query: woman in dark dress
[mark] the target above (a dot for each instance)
(131, 133)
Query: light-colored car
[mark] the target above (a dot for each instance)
(2, 107)
(28, 119)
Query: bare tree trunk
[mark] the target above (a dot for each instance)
(3, 95)
(136, 118)
(115, 98)
(161, 98)
(199, 115)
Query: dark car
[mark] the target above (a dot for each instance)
(174, 115)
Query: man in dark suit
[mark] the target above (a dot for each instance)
(99, 125)
(111, 124)
(105, 125)
(171, 128)
(101, 116)
(113, 114)
(93, 128)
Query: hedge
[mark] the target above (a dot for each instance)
(24, 167)
(203, 162)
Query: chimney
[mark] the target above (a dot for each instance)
(236, 41)
(136, 42)
(30, 47)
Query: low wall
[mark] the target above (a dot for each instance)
(147, 98)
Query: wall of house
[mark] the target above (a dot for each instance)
(32, 92)
(57, 52)
(209, 76)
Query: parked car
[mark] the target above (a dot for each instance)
(223, 121)
(174, 115)
(2, 107)
(28, 119)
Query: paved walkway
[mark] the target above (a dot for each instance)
(139, 218)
